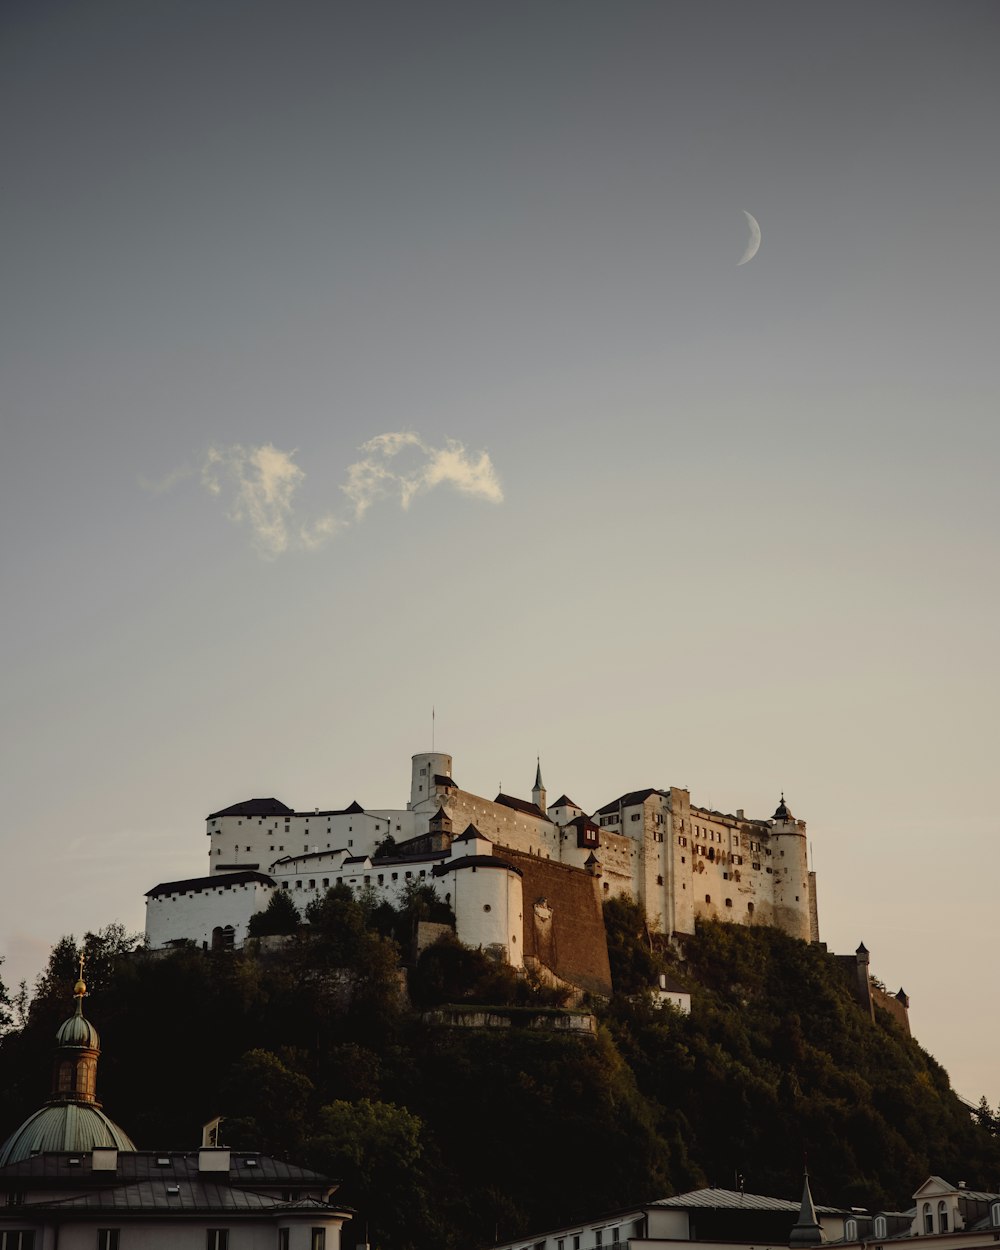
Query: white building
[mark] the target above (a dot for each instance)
(679, 862)
(954, 1216)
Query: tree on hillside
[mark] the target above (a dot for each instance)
(635, 965)
(280, 916)
(376, 1148)
(6, 1006)
(264, 1105)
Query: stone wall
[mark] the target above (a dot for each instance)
(563, 920)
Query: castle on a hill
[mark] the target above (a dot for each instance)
(524, 878)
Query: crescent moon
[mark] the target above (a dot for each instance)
(754, 243)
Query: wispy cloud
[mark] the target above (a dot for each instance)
(161, 485)
(260, 486)
(379, 474)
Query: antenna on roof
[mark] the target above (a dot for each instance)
(433, 718)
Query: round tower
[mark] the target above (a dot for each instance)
(427, 766)
(790, 862)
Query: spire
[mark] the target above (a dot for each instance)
(538, 790)
(807, 1230)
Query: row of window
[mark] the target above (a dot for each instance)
(325, 883)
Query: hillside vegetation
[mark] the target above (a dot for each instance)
(452, 1137)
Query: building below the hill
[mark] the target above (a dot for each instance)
(680, 862)
(107, 1199)
(71, 1179)
(956, 1217)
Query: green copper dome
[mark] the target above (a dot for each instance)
(72, 1119)
(63, 1126)
(78, 1031)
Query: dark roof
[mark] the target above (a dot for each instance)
(253, 807)
(272, 807)
(53, 1168)
(355, 859)
(154, 1195)
(629, 800)
(329, 853)
(470, 833)
(581, 822)
(733, 1200)
(564, 801)
(416, 857)
(218, 880)
(521, 805)
(440, 780)
(782, 811)
(473, 861)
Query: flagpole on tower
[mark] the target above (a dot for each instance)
(432, 726)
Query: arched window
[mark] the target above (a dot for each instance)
(850, 1230)
(881, 1226)
(928, 1218)
(995, 1214)
(942, 1216)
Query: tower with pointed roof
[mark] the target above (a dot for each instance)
(807, 1230)
(538, 789)
(72, 1118)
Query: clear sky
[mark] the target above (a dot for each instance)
(359, 357)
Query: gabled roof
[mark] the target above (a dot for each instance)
(630, 800)
(521, 805)
(564, 801)
(218, 881)
(473, 861)
(732, 1199)
(582, 822)
(253, 807)
(470, 833)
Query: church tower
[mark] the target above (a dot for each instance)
(538, 789)
(72, 1119)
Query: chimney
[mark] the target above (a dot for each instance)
(213, 1159)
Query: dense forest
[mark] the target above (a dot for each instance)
(316, 1047)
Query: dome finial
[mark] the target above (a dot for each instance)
(80, 989)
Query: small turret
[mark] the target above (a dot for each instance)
(807, 1230)
(538, 789)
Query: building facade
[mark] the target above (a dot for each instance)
(680, 862)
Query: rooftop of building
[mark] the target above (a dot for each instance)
(262, 808)
(521, 805)
(218, 880)
(712, 1198)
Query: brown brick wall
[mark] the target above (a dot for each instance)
(572, 942)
